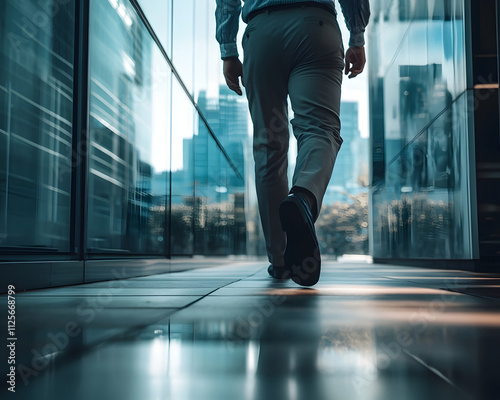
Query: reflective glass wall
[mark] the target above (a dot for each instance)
(421, 131)
(129, 128)
(157, 161)
(36, 125)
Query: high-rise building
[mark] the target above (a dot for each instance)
(344, 174)
(347, 173)
(228, 117)
(216, 186)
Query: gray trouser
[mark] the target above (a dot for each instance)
(294, 52)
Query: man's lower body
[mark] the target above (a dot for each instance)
(295, 52)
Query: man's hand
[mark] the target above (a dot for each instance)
(233, 69)
(355, 60)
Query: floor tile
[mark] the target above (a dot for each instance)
(364, 331)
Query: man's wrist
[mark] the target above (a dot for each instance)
(357, 39)
(228, 50)
(228, 58)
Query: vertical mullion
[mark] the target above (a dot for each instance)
(193, 154)
(80, 131)
(169, 197)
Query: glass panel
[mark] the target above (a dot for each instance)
(220, 213)
(183, 34)
(36, 122)
(393, 28)
(220, 218)
(234, 136)
(396, 134)
(159, 15)
(424, 210)
(182, 167)
(207, 63)
(129, 134)
(421, 204)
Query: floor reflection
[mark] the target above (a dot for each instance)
(358, 335)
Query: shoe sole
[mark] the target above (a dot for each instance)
(302, 257)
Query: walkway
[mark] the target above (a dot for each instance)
(231, 332)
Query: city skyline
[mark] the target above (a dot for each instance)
(199, 43)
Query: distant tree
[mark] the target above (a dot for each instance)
(343, 227)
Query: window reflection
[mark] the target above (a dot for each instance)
(182, 167)
(220, 225)
(421, 195)
(159, 15)
(36, 122)
(183, 33)
(128, 123)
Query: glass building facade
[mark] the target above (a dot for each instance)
(115, 137)
(36, 126)
(425, 104)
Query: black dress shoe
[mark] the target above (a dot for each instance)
(302, 256)
(278, 272)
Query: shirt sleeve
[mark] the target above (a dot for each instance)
(227, 18)
(357, 15)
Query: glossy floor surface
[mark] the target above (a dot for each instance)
(365, 331)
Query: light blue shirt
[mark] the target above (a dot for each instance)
(227, 13)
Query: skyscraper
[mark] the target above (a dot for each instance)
(217, 188)
(228, 117)
(353, 154)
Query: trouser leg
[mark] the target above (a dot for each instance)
(266, 88)
(315, 88)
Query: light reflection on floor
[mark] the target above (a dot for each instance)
(364, 332)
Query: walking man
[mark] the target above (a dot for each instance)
(292, 48)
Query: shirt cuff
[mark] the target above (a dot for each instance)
(228, 50)
(357, 39)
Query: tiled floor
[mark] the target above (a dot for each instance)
(363, 332)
